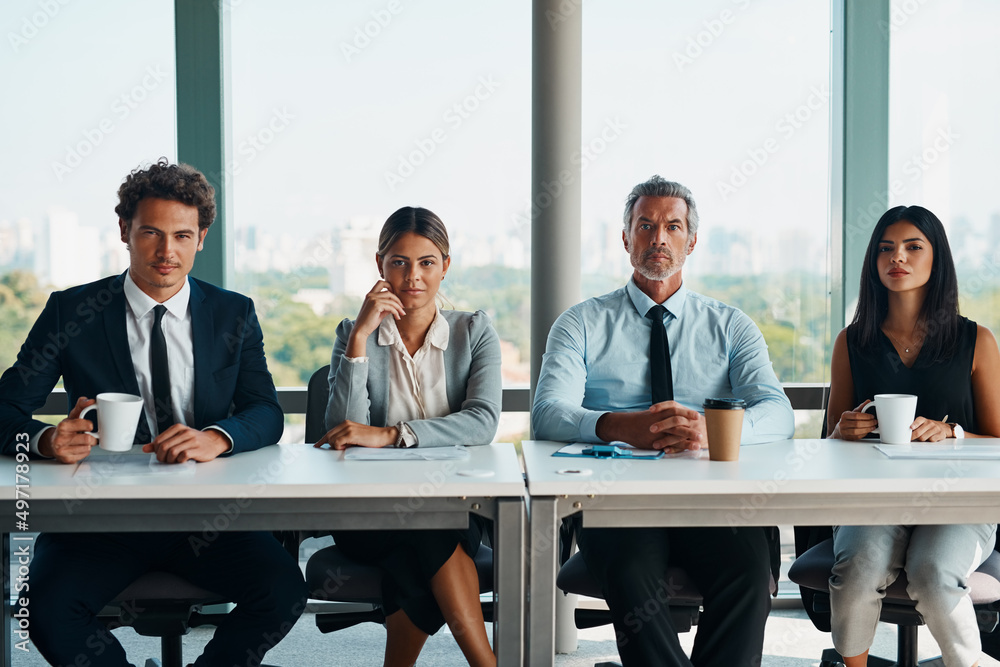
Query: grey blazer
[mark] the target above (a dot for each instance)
(360, 391)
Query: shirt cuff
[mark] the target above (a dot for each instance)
(357, 360)
(35, 439)
(223, 432)
(588, 426)
(409, 437)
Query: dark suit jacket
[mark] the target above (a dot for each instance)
(81, 336)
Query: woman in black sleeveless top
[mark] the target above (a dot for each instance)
(907, 337)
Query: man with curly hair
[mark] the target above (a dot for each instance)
(194, 353)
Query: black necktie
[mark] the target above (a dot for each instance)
(659, 357)
(160, 373)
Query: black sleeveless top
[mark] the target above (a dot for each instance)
(942, 387)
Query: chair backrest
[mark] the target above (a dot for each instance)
(317, 396)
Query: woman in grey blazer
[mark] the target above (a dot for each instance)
(406, 374)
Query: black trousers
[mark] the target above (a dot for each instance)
(73, 576)
(731, 568)
(991, 643)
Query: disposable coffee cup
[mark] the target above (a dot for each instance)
(724, 422)
(895, 413)
(117, 418)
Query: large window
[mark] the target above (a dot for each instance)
(367, 107)
(732, 99)
(364, 108)
(943, 134)
(89, 94)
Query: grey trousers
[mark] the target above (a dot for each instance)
(938, 561)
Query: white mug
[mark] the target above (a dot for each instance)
(118, 416)
(895, 413)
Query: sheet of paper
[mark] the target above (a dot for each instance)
(949, 449)
(456, 453)
(130, 465)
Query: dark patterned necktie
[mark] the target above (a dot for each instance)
(659, 357)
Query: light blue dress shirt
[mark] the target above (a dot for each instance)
(597, 360)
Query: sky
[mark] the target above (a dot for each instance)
(346, 110)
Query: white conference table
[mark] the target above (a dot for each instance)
(804, 482)
(294, 487)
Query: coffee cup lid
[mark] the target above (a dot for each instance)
(725, 404)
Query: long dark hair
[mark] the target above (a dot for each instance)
(939, 316)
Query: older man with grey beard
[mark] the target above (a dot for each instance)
(636, 365)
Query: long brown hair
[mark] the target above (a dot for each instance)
(417, 220)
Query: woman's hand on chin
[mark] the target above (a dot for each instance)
(379, 302)
(352, 434)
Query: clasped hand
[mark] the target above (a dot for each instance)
(667, 425)
(855, 425)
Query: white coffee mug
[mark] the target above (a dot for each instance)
(895, 413)
(118, 416)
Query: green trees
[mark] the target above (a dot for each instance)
(21, 300)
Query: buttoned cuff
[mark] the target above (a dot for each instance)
(588, 426)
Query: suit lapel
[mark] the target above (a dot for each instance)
(202, 334)
(452, 388)
(116, 332)
(378, 380)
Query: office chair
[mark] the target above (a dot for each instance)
(813, 566)
(811, 571)
(164, 605)
(684, 601)
(333, 577)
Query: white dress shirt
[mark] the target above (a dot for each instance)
(176, 326)
(417, 385)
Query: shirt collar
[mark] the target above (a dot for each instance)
(141, 303)
(437, 335)
(642, 302)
